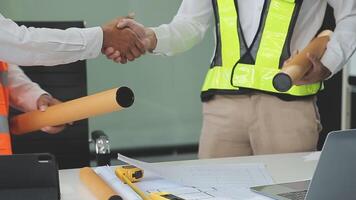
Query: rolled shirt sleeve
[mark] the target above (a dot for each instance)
(342, 44)
(23, 92)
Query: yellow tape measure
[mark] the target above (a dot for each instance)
(133, 173)
(130, 174)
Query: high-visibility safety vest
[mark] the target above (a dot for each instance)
(5, 140)
(237, 65)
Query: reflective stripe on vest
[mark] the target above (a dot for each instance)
(256, 67)
(4, 78)
(5, 139)
(4, 125)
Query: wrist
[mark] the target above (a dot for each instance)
(151, 36)
(45, 95)
(105, 36)
(326, 73)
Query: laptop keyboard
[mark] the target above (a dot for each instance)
(299, 195)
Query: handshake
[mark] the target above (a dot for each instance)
(125, 40)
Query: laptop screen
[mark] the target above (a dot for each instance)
(335, 175)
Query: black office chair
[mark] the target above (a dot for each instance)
(65, 82)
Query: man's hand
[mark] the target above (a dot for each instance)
(121, 43)
(43, 102)
(146, 35)
(318, 72)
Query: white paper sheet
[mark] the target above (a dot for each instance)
(152, 183)
(312, 156)
(107, 174)
(195, 182)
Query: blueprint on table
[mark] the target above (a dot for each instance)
(208, 181)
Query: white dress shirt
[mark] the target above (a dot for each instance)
(40, 46)
(195, 16)
(23, 92)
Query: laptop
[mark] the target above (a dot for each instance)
(334, 177)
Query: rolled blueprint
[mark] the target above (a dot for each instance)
(96, 185)
(78, 109)
(125, 191)
(299, 65)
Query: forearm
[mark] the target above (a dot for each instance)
(23, 92)
(33, 46)
(186, 29)
(177, 37)
(342, 44)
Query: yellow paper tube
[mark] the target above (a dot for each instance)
(96, 185)
(78, 109)
(299, 65)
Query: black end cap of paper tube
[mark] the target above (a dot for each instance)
(282, 82)
(115, 198)
(125, 97)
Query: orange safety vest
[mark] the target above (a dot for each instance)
(5, 140)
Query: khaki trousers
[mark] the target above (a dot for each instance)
(257, 123)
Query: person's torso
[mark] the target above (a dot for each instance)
(310, 19)
(254, 38)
